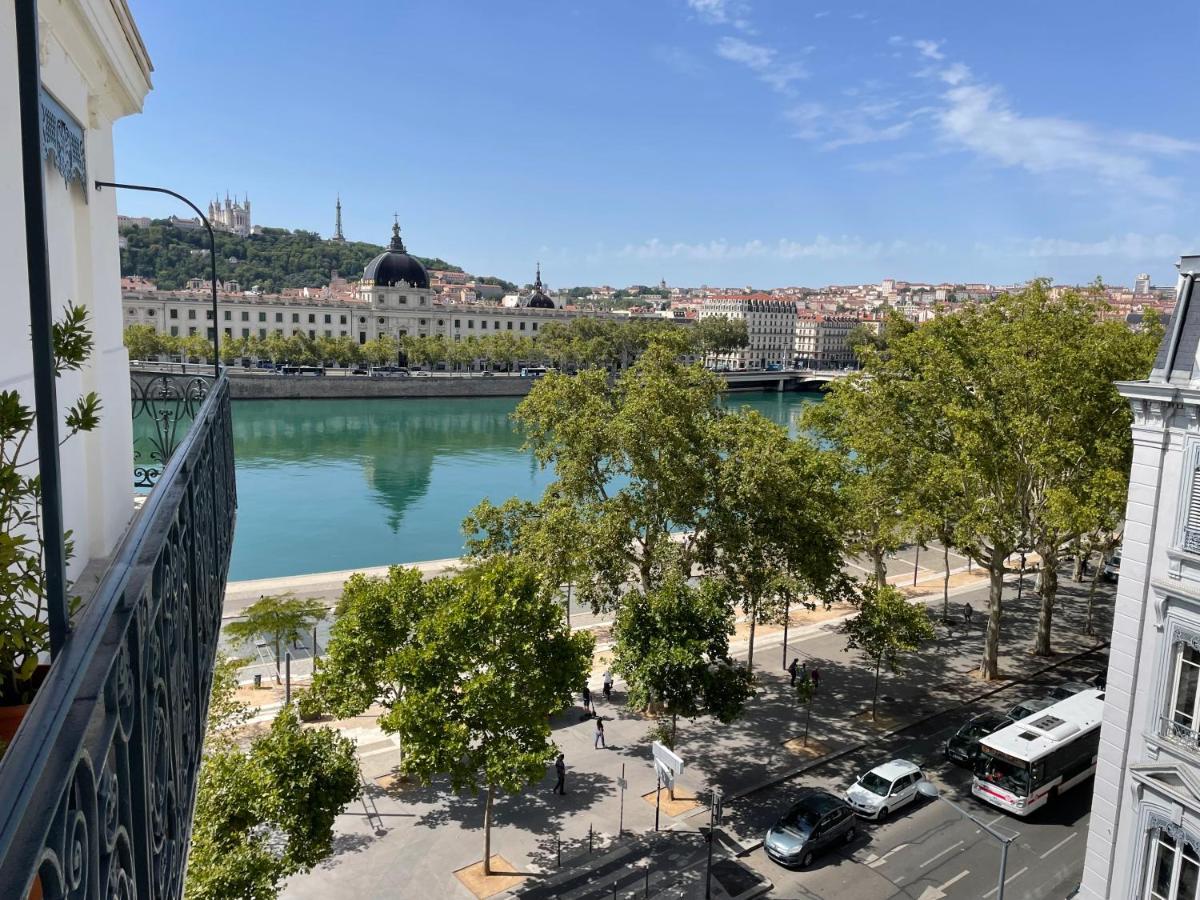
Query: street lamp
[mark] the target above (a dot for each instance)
(212, 248)
(929, 790)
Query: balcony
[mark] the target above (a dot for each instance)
(98, 786)
(1179, 734)
(164, 406)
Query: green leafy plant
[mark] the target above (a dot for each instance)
(24, 623)
(276, 619)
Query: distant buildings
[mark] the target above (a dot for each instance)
(1141, 284)
(233, 217)
(770, 324)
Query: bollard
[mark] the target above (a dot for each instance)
(589, 837)
(647, 893)
(614, 890)
(558, 847)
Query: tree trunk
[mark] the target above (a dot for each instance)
(989, 668)
(671, 786)
(1048, 588)
(278, 680)
(879, 560)
(487, 832)
(945, 583)
(875, 696)
(807, 719)
(753, 625)
(1077, 572)
(1088, 628)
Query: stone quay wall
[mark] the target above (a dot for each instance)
(254, 386)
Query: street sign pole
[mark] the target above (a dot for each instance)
(714, 816)
(621, 820)
(657, 794)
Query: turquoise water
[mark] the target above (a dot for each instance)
(326, 485)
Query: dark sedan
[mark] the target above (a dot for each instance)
(963, 745)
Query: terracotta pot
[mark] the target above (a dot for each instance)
(11, 716)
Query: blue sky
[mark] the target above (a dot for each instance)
(726, 142)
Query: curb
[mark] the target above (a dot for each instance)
(854, 748)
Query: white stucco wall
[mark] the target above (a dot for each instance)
(94, 65)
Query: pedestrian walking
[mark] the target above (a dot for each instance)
(587, 698)
(598, 743)
(1101, 681)
(816, 678)
(560, 769)
(608, 683)
(967, 614)
(793, 669)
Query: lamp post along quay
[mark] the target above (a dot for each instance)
(929, 790)
(212, 249)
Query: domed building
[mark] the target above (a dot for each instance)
(395, 289)
(394, 267)
(538, 299)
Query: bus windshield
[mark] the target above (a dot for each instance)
(1010, 775)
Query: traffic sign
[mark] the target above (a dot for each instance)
(666, 758)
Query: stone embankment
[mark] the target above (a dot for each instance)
(270, 386)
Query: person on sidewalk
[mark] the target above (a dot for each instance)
(794, 669)
(967, 614)
(587, 698)
(608, 683)
(598, 743)
(560, 769)
(816, 678)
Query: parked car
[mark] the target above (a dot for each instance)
(816, 823)
(1067, 689)
(1027, 708)
(963, 745)
(1112, 566)
(884, 789)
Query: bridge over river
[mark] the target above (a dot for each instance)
(782, 380)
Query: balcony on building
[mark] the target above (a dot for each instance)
(97, 786)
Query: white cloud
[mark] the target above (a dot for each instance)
(929, 49)
(820, 15)
(723, 12)
(820, 247)
(715, 12)
(763, 61)
(873, 119)
(977, 116)
(1130, 246)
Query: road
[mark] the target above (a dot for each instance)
(927, 851)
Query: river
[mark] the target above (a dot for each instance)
(326, 485)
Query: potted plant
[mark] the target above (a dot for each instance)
(24, 624)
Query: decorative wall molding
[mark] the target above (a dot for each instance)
(1179, 834)
(64, 142)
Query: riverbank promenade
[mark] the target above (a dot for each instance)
(430, 833)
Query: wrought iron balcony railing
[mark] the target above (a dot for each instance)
(1179, 733)
(98, 786)
(164, 405)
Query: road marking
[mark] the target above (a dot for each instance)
(1016, 874)
(933, 859)
(879, 862)
(1059, 844)
(997, 819)
(957, 878)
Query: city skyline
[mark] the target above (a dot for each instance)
(724, 142)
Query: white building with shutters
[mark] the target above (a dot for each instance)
(1144, 837)
(770, 327)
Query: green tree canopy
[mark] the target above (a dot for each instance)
(671, 645)
(276, 618)
(142, 341)
(885, 628)
(486, 665)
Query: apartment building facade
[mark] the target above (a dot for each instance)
(1144, 837)
(770, 325)
(822, 341)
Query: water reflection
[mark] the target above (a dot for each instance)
(339, 484)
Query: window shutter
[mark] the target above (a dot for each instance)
(1193, 516)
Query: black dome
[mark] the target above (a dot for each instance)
(394, 265)
(538, 299)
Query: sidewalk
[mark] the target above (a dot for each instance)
(428, 832)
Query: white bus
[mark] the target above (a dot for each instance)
(1021, 766)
